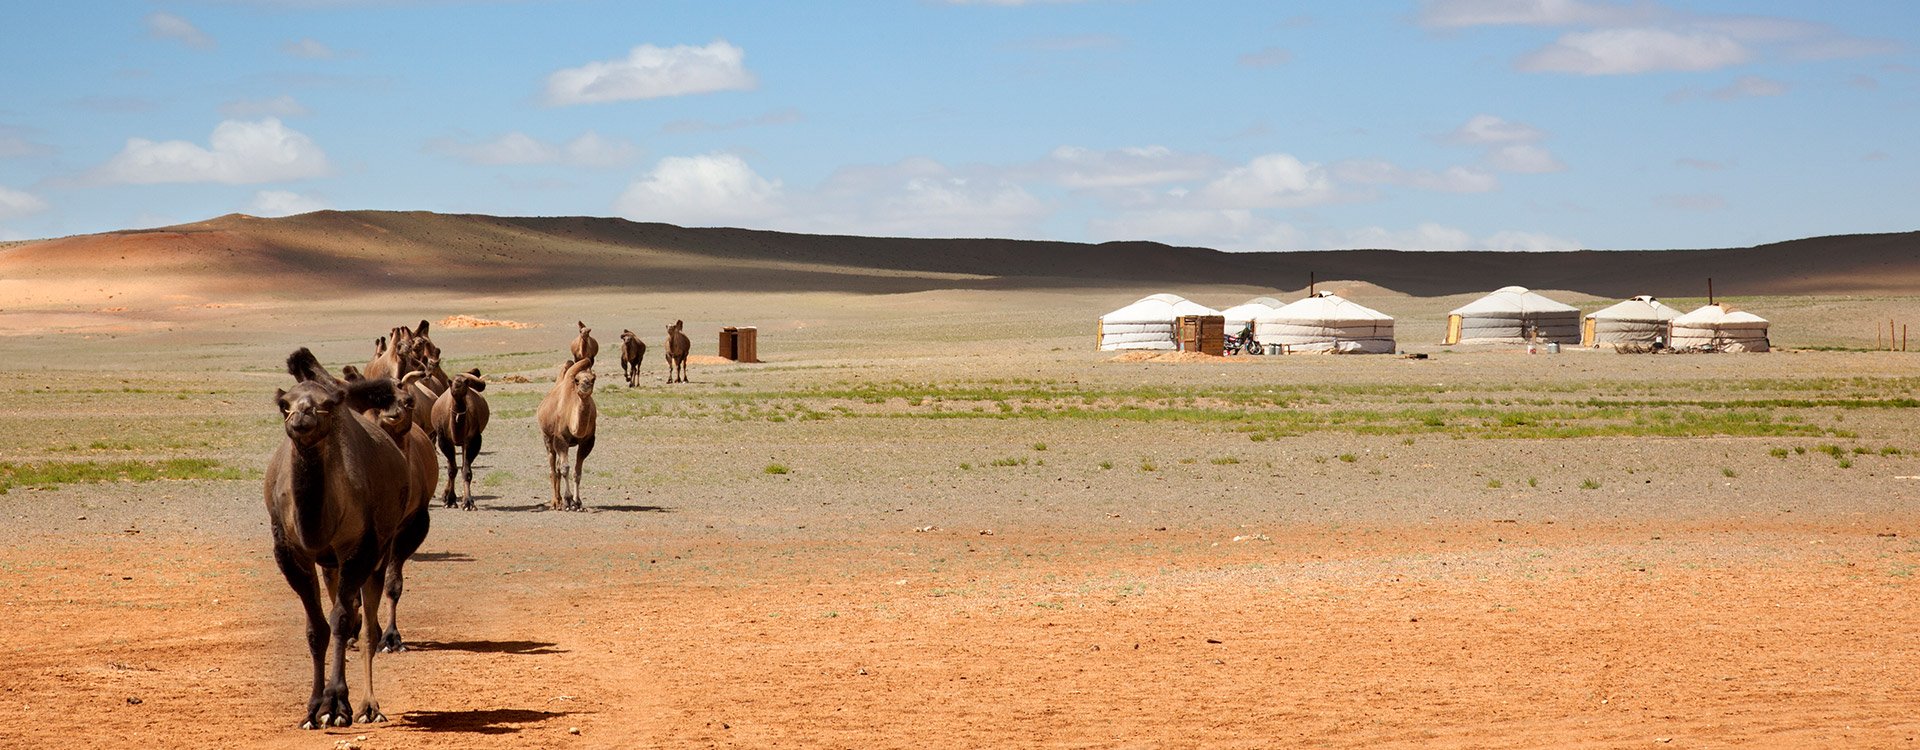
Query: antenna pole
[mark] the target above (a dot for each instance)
(1312, 281)
(1709, 290)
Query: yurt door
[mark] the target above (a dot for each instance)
(1453, 329)
(1588, 333)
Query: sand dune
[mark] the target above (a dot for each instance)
(372, 250)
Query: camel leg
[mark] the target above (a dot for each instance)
(370, 595)
(472, 449)
(300, 576)
(553, 473)
(412, 533)
(580, 470)
(336, 710)
(446, 449)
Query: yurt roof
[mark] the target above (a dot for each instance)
(1325, 307)
(1643, 307)
(1157, 307)
(1510, 300)
(1251, 309)
(1721, 314)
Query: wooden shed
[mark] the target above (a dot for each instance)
(1206, 334)
(740, 343)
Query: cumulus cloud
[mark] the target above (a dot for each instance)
(164, 25)
(18, 203)
(650, 72)
(1523, 158)
(279, 106)
(589, 149)
(284, 203)
(307, 48)
(919, 197)
(1635, 50)
(1454, 14)
(1271, 57)
(1381, 172)
(240, 152)
(1509, 146)
(1269, 181)
(1486, 129)
(1136, 166)
(701, 191)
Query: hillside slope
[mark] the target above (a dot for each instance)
(375, 250)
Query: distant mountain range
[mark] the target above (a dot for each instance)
(370, 250)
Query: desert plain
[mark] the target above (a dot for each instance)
(937, 517)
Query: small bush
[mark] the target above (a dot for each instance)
(1533, 481)
(1010, 461)
(1830, 449)
(1225, 461)
(1728, 473)
(1778, 453)
(1106, 464)
(1494, 484)
(1799, 450)
(1039, 446)
(1861, 450)
(1148, 466)
(776, 469)
(1846, 463)
(1348, 457)
(964, 466)
(1889, 451)
(1588, 484)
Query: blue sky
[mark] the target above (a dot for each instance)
(1437, 124)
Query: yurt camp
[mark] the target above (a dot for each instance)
(1635, 322)
(1240, 315)
(1719, 328)
(1148, 323)
(1513, 315)
(1326, 322)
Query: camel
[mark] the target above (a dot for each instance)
(392, 355)
(459, 416)
(336, 492)
(677, 348)
(397, 421)
(567, 416)
(633, 351)
(584, 345)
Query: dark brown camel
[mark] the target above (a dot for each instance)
(336, 493)
(633, 351)
(459, 418)
(584, 345)
(397, 421)
(567, 419)
(677, 348)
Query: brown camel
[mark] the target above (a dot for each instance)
(677, 348)
(459, 417)
(394, 358)
(567, 417)
(336, 492)
(584, 345)
(633, 351)
(397, 421)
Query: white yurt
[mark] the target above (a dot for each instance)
(1640, 320)
(1720, 328)
(1513, 315)
(1147, 323)
(1240, 315)
(1326, 322)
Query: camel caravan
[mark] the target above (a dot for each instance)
(349, 489)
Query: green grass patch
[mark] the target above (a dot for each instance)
(1588, 484)
(1225, 461)
(1010, 461)
(53, 473)
(776, 469)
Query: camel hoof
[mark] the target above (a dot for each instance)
(343, 720)
(371, 715)
(308, 724)
(391, 643)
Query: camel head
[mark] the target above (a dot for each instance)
(379, 346)
(627, 335)
(583, 380)
(426, 353)
(677, 325)
(307, 411)
(466, 381)
(397, 416)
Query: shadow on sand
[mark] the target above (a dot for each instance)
(488, 647)
(440, 557)
(483, 721)
(632, 508)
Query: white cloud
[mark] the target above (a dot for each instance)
(1635, 50)
(1486, 129)
(1084, 168)
(17, 203)
(284, 203)
(701, 191)
(1523, 158)
(589, 149)
(1747, 86)
(919, 197)
(1454, 14)
(1269, 181)
(164, 25)
(240, 152)
(1381, 172)
(650, 72)
(308, 48)
(280, 106)
(14, 144)
(1270, 57)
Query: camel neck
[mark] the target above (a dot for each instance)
(309, 478)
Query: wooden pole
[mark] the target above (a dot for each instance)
(1312, 282)
(1709, 290)
(1903, 337)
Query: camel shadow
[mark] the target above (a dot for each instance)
(482, 721)
(632, 508)
(517, 508)
(440, 557)
(521, 648)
